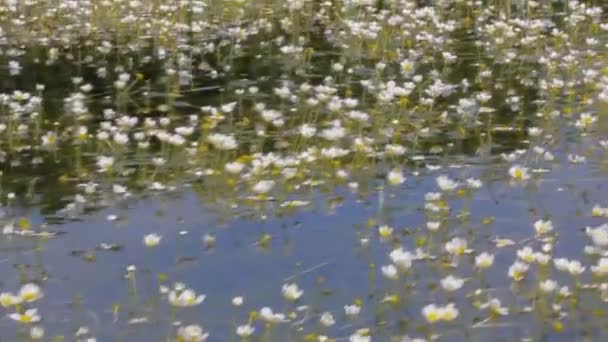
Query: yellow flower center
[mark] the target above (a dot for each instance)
(449, 315)
(518, 174)
(29, 296)
(6, 301)
(433, 317)
(385, 233)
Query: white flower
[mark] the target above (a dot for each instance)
(157, 186)
(451, 283)
(575, 267)
(234, 167)
(14, 68)
(222, 141)
(432, 196)
(81, 331)
(228, 107)
(270, 317)
(273, 116)
(446, 184)
(401, 258)
(456, 246)
(209, 240)
(474, 183)
(585, 121)
(49, 139)
(535, 131)
(292, 292)
(192, 333)
(337, 67)
(542, 258)
(526, 254)
(395, 177)
(307, 131)
(245, 330)
(599, 235)
(333, 133)
(263, 187)
(390, 271)
(237, 301)
(121, 138)
(449, 312)
(519, 173)
(294, 204)
(352, 310)
(484, 260)
(601, 268)
(495, 307)
(518, 270)
(104, 163)
(327, 319)
(548, 285)
(433, 313)
(385, 231)
(433, 225)
(29, 316)
(598, 211)
(37, 333)
(361, 335)
(561, 264)
(152, 240)
(119, 189)
(185, 131)
(395, 150)
(102, 135)
(334, 152)
(185, 298)
(289, 172)
(30, 292)
(543, 227)
(8, 299)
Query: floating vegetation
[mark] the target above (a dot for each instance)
(302, 170)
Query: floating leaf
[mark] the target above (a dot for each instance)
(488, 220)
(503, 242)
(558, 326)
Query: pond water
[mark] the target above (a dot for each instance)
(303, 170)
